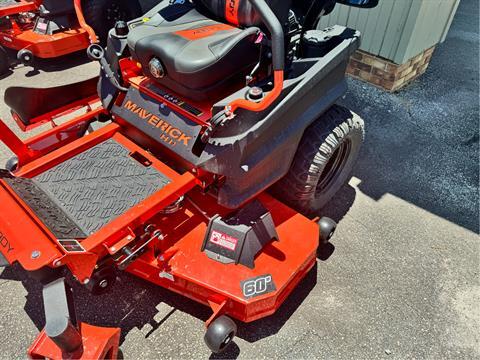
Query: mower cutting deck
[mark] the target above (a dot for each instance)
(82, 202)
(169, 173)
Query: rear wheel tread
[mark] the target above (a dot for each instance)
(319, 143)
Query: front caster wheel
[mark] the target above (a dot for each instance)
(220, 334)
(12, 164)
(26, 57)
(327, 229)
(102, 281)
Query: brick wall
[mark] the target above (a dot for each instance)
(386, 74)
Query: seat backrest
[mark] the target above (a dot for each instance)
(58, 7)
(242, 13)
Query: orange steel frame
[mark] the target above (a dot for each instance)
(184, 232)
(50, 117)
(22, 36)
(36, 157)
(82, 265)
(97, 343)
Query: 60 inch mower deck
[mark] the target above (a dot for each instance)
(80, 218)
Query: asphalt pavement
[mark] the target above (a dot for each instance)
(401, 279)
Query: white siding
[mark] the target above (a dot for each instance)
(397, 29)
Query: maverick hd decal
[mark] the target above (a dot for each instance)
(159, 121)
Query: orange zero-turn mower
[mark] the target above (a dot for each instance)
(209, 136)
(52, 28)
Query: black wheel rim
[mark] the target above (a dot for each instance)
(334, 166)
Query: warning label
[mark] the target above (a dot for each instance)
(223, 240)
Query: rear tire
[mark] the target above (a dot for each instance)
(4, 63)
(102, 15)
(323, 162)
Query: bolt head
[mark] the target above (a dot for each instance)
(103, 284)
(86, 281)
(35, 254)
(57, 263)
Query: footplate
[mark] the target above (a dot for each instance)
(45, 208)
(74, 203)
(81, 195)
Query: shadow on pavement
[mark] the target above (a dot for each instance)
(6, 74)
(49, 65)
(232, 352)
(133, 303)
(428, 166)
(422, 143)
(340, 204)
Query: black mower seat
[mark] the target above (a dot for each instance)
(30, 103)
(51, 8)
(197, 54)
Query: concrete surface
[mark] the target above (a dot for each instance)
(403, 279)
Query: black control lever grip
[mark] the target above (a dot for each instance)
(96, 53)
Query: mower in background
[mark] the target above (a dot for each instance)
(52, 28)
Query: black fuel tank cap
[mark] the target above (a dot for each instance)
(255, 93)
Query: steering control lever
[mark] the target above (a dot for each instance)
(96, 53)
(278, 59)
